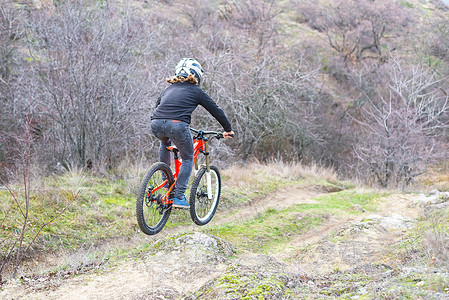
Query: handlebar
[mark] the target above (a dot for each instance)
(201, 133)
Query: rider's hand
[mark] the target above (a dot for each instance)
(228, 135)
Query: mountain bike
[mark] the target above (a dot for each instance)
(154, 199)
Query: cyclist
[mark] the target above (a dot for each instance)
(171, 118)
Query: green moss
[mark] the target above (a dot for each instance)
(344, 200)
(119, 200)
(249, 286)
(259, 292)
(266, 230)
(407, 4)
(229, 279)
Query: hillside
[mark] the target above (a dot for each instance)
(298, 80)
(310, 238)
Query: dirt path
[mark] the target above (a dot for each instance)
(339, 243)
(343, 243)
(284, 198)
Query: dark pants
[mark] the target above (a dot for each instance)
(178, 132)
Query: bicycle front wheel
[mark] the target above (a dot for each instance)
(152, 213)
(204, 203)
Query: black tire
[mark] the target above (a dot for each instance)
(151, 213)
(202, 210)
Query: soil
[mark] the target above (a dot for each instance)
(196, 260)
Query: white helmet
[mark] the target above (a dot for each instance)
(188, 66)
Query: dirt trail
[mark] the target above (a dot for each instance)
(344, 242)
(339, 243)
(284, 198)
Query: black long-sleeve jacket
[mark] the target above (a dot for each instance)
(179, 100)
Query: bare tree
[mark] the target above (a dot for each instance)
(269, 104)
(197, 12)
(401, 126)
(88, 70)
(258, 19)
(19, 244)
(358, 30)
(438, 39)
(11, 32)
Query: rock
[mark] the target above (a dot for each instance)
(397, 222)
(186, 260)
(435, 197)
(440, 206)
(394, 221)
(206, 246)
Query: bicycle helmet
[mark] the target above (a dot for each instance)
(188, 66)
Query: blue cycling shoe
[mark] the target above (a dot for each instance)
(181, 203)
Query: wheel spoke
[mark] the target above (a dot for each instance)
(203, 208)
(151, 215)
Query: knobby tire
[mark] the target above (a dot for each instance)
(202, 210)
(151, 213)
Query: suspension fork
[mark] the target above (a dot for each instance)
(208, 175)
(196, 167)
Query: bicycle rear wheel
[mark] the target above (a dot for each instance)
(151, 212)
(202, 209)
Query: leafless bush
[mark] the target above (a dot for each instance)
(358, 30)
(439, 39)
(268, 103)
(401, 126)
(96, 71)
(23, 235)
(197, 12)
(88, 67)
(257, 18)
(11, 32)
(437, 236)
(266, 90)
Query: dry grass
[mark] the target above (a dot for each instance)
(436, 236)
(239, 175)
(435, 179)
(74, 179)
(244, 183)
(132, 174)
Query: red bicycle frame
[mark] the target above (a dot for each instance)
(199, 145)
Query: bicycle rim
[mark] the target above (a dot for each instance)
(152, 213)
(202, 209)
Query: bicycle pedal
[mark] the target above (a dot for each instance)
(179, 207)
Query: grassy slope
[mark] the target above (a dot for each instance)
(100, 208)
(275, 226)
(105, 210)
(103, 203)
